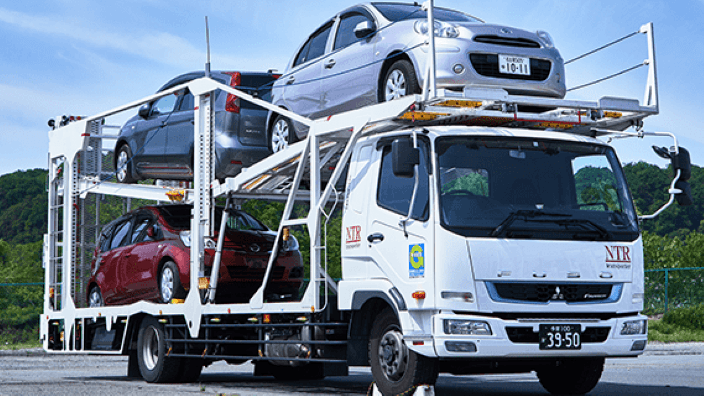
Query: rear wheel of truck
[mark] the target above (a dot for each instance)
(395, 368)
(572, 377)
(152, 349)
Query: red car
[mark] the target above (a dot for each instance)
(145, 255)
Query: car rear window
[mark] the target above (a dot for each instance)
(397, 12)
(262, 84)
(178, 217)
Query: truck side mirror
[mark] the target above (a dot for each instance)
(685, 197)
(144, 110)
(404, 157)
(682, 162)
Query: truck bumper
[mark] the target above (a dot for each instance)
(519, 339)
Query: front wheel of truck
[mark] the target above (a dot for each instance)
(572, 377)
(395, 368)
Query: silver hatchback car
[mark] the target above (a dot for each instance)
(375, 52)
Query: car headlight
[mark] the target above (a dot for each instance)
(635, 327)
(466, 327)
(186, 238)
(545, 38)
(441, 29)
(291, 244)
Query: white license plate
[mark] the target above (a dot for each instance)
(511, 64)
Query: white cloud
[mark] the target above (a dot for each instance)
(158, 46)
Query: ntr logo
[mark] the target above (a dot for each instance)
(618, 254)
(354, 234)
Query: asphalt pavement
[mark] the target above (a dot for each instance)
(664, 369)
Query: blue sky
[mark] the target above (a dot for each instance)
(82, 57)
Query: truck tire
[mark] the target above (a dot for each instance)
(395, 368)
(573, 377)
(191, 369)
(154, 365)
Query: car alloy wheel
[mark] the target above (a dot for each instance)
(123, 165)
(95, 299)
(395, 86)
(167, 284)
(282, 134)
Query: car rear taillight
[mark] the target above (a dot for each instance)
(232, 104)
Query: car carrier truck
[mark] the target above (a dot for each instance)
(481, 233)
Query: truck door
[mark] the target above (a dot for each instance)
(405, 257)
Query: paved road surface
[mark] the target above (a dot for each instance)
(662, 370)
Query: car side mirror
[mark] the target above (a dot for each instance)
(363, 29)
(150, 232)
(404, 157)
(144, 110)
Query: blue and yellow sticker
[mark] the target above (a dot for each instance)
(416, 260)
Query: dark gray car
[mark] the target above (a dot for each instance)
(158, 142)
(376, 52)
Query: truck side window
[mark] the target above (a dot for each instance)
(394, 193)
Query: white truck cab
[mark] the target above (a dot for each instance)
(506, 250)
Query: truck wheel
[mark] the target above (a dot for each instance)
(154, 365)
(400, 80)
(170, 283)
(124, 165)
(573, 377)
(282, 134)
(395, 368)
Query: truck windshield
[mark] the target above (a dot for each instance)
(540, 189)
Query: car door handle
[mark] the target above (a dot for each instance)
(330, 64)
(290, 80)
(375, 237)
(193, 122)
(163, 124)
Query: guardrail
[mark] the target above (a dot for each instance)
(668, 288)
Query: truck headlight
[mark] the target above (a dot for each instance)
(634, 327)
(466, 327)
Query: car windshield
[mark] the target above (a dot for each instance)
(541, 189)
(395, 12)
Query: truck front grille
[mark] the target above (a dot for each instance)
(548, 292)
(487, 65)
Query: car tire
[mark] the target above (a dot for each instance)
(400, 80)
(170, 283)
(154, 364)
(95, 298)
(282, 134)
(574, 377)
(124, 165)
(395, 368)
